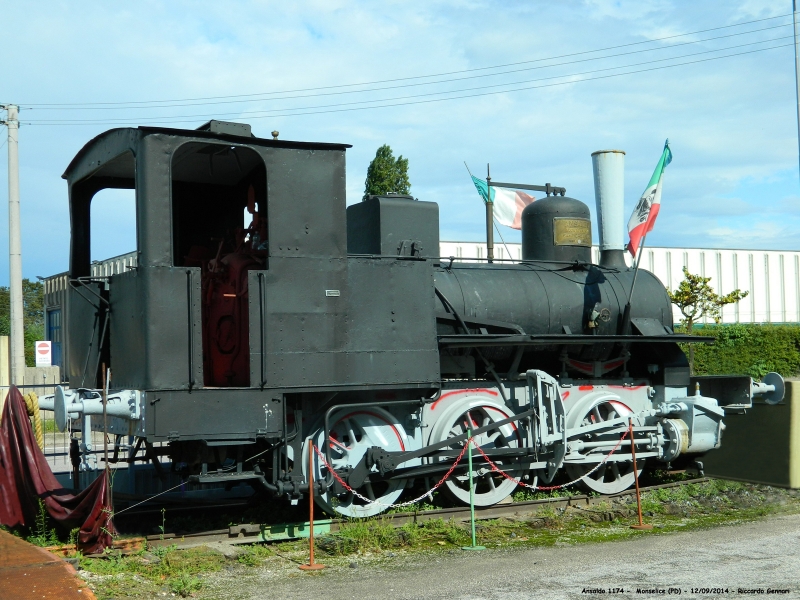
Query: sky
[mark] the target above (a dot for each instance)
(532, 88)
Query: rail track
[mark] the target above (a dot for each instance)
(254, 533)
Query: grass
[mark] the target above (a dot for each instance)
(149, 573)
(42, 534)
(169, 570)
(526, 495)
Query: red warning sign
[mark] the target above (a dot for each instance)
(44, 354)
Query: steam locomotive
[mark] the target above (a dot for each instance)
(263, 316)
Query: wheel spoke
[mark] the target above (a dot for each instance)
(487, 488)
(610, 477)
(600, 474)
(369, 490)
(351, 437)
(351, 434)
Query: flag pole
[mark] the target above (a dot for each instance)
(502, 239)
(636, 265)
(626, 315)
(493, 219)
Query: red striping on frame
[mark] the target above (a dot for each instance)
(455, 392)
(629, 388)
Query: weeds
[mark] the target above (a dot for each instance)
(185, 585)
(254, 555)
(42, 534)
(526, 495)
(178, 570)
(161, 571)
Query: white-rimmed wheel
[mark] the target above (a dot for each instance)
(352, 433)
(612, 476)
(475, 412)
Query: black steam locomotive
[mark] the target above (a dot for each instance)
(263, 315)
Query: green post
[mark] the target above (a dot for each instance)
(471, 496)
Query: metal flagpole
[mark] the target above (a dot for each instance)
(636, 265)
(488, 193)
(17, 345)
(796, 72)
(626, 314)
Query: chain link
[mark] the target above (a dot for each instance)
(401, 504)
(497, 469)
(446, 476)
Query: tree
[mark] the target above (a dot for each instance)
(696, 299)
(33, 315)
(386, 174)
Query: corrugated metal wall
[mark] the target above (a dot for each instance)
(771, 277)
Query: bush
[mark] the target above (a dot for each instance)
(748, 349)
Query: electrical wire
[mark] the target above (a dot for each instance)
(336, 107)
(411, 78)
(165, 104)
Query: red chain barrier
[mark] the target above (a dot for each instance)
(402, 504)
(497, 469)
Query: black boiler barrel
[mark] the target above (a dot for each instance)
(549, 297)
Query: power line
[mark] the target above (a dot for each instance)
(142, 103)
(271, 112)
(427, 83)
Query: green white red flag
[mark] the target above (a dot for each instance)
(646, 211)
(508, 204)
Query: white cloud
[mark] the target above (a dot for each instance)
(731, 122)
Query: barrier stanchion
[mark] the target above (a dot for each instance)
(642, 525)
(311, 566)
(474, 545)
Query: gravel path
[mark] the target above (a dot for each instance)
(763, 555)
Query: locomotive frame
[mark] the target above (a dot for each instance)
(240, 345)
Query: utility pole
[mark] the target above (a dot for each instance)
(17, 342)
(796, 72)
(489, 217)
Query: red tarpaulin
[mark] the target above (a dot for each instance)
(25, 477)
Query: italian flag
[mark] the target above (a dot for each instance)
(508, 204)
(646, 211)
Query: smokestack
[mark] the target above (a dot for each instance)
(609, 193)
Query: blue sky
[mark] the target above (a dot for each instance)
(732, 122)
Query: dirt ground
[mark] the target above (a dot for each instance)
(728, 561)
(711, 539)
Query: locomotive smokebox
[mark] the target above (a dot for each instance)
(609, 193)
(557, 228)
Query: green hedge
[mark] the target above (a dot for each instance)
(749, 349)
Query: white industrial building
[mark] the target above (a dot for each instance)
(771, 277)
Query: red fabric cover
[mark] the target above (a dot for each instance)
(25, 477)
